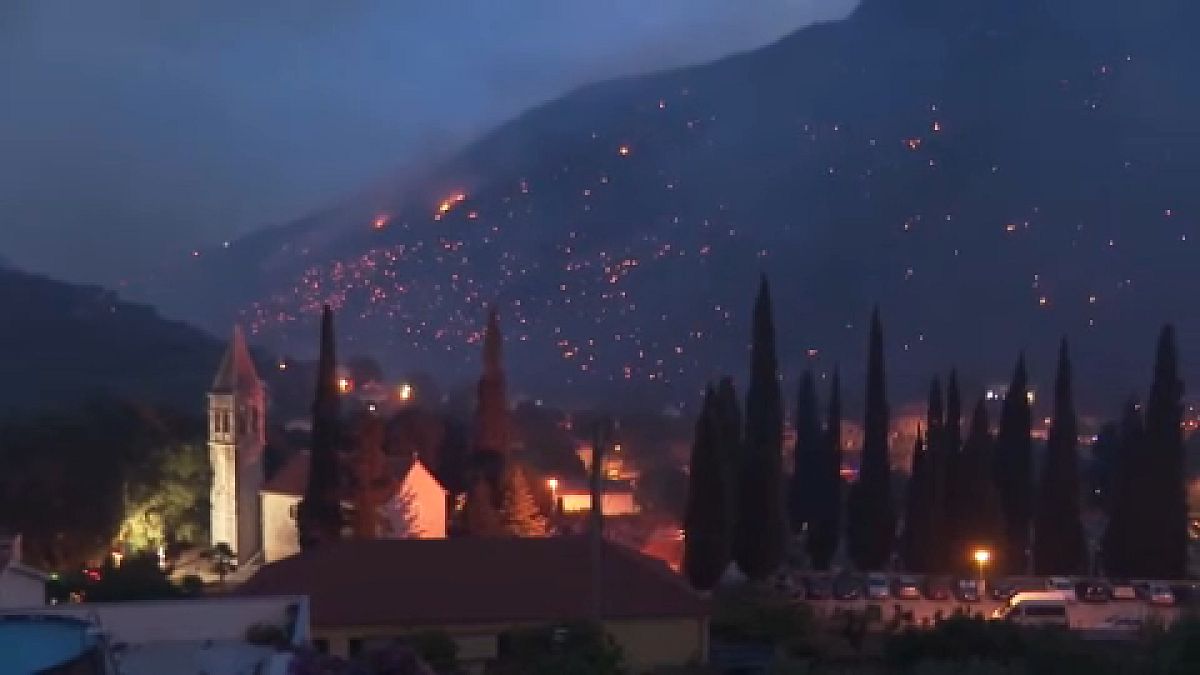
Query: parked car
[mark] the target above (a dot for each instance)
(847, 589)
(1093, 591)
(1041, 613)
(907, 588)
(938, 589)
(877, 587)
(818, 588)
(1123, 590)
(967, 590)
(1159, 594)
(1062, 585)
(1002, 589)
(1124, 623)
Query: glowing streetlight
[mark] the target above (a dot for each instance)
(405, 392)
(982, 558)
(552, 483)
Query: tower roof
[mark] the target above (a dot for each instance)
(236, 373)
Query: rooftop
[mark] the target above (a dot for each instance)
(475, 580)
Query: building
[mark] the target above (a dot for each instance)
(195, 636)
(418, 508)
(617, 497)
(20, 586)
(236, 444)
(365, 594)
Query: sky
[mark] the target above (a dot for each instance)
(132, 129)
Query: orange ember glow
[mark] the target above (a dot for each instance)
(913, 143)
(380, 221)
(623, 151)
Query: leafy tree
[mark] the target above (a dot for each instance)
(761, 534)
(1164, 546)
(805, 456)
(224, 560)
(319, 517)
(166, 498)
(1058, 544)
(707, 522)
(825, 530)
(578, 649)
(482, 516)
(871, 523)
(1014, 470)
(137, 578)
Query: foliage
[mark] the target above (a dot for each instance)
(825, 530)
(521, 516)
(137, 578)
(760, 537)
(319, 515)
(806, 456)
(708, 518)
(1059, 546)
(437, 649)
(223, 559)
(1163, 546)
(983, 522)
(166, 499)
(578, 649)
(266, 635)
(870, 525)
(1014, 470)
(373, 484)
(750, 614)
(1122, 536)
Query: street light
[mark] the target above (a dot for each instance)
(552, 483)
(982, 557)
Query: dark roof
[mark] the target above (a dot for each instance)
(474, 580)
(236, 372)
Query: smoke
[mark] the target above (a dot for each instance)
(134, 129)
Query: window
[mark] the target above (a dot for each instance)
(354, 647)
(293, 511)
(321, 645)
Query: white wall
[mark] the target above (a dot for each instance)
(18, 589)
(280, 538)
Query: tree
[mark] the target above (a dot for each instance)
(373, 485)
(1014, 470)
(871, 523)
(1164, 547)
(761, 534)
(805, 456)
(934, 511)
(825, 529)
(984, 517)
(492, 425)
(223, 560)
(916, 542)
(953, 477)
(319, 515)
(578, 649)
(1058, 544)
(481, 513)
(707, 521)
(166, 498)
(1127, 495)
(521, 516)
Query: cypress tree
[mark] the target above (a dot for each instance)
(706, 520)
(1058, 543)
(1165, 527)
(481, 513)
(825, 527)
(319, 514)
(954, 478)
(1014, 470)
(372, 484)
(935, 429)
(871, 522)
(1127, 497)
(984, 517)
(491, 411)
(760, 540)
(916, 542)
(807, 450)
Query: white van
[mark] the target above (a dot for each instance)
(1036, 612)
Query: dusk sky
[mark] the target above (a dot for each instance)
(132, 130)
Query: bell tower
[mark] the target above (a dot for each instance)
(236, 445)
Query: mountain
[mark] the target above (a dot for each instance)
(994, 173)
(65, 345)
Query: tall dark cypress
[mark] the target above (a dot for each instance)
(802, 486)
(983, 516)
(319, 514)
(1059, 546)
(1165, 545)
(491, 407)
(935, 430)
(916, 541)
(1128, 492)
(707, 519)
(1014, 471)
(825, 530)
(954, 478)
(871, 523)
(761, 537)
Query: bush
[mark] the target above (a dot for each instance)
(748, 615)
(577, 649)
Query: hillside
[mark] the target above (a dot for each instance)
(994, 174)
(65, 344)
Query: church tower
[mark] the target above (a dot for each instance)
(236, 446)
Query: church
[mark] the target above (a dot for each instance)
(257, 518)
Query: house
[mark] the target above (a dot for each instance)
(418, 508)
(365, 594)
(617, 497)
(20, 586)
(194, 636)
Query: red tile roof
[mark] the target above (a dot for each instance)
(422, 582)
